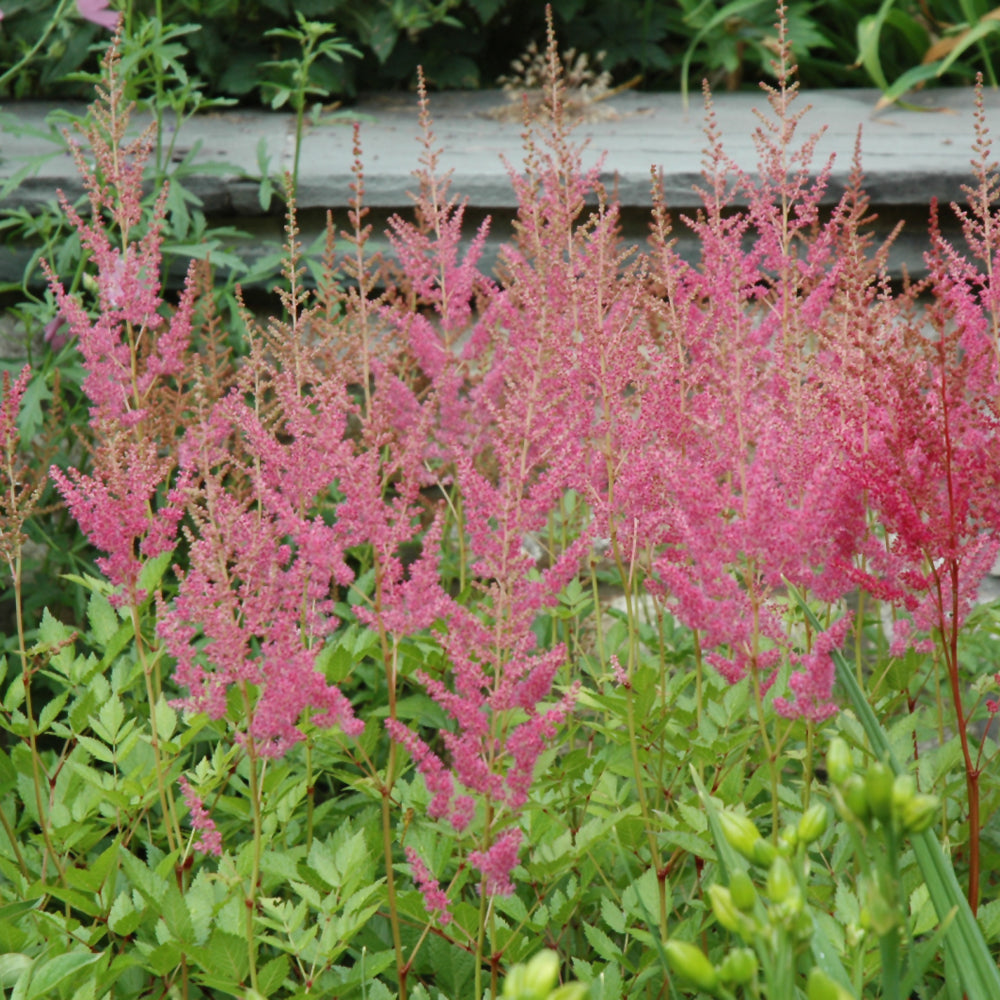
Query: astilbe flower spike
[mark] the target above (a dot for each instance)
(498, 690)
(742, 490)
(134, 357)
(210, 839)
(926, 448)
(21, 486)
(435, 899)
(261, 565)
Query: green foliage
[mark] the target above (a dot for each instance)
(895, 45)
(679, 836)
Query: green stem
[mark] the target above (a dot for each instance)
(768, 750)
(480, 940)
(170, 823)
(250, 902)
(390, 877)
(389, 659)
(36, 763)
(33, 51)
(310, 794)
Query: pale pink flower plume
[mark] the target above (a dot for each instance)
(97, 12)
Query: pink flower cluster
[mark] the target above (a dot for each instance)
(768, 415)
(210, 841)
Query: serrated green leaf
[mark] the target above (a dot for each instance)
(55, 971)
(352, 858)
(613, 916)
(323, 862)
(97, 749)
(123, 917)
(164, 960)
(602, 944)
(225, 958)
(273, 974)
(14, 697)
(642, 897)
(846, 908)
(153, 570)
(173, 909)
(117, 642)
(51, 631)
(151, 886)
(989, 920)
(103, 620)
(110, 717)
(50, 710)
(201, 904)
(166, 718)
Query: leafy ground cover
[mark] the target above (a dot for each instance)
(602, 627)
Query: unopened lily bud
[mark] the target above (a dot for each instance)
(691, 964)
(738, 967)
(780, 880)
(839, 764)
(541, 973)
(764, 852)
(727, 912)
(741, 888)
(812, 824)
(854, 799)
(569, 991)
(920, 812)
(822, 987)
(878, 787)
(740, 832)
(787, 841)
(904, 787)
(514, 987)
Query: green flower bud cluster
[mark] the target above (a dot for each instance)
(878, 794)
(693, 968)
(538, 979)
(778, 909)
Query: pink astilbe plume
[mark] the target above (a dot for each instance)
(435, 275)
(210, 839)
(925, 449)
(499, 689)
(435, 899)
(742, 488)
(133, 355)
(257, 592)
(116, 509)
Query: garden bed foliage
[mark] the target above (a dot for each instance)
(446, 616)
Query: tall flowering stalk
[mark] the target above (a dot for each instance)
(927, 453)
(135, 359)
(21, 487)
(749, 488)
(502, 444)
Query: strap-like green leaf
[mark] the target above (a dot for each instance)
(969, 957)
